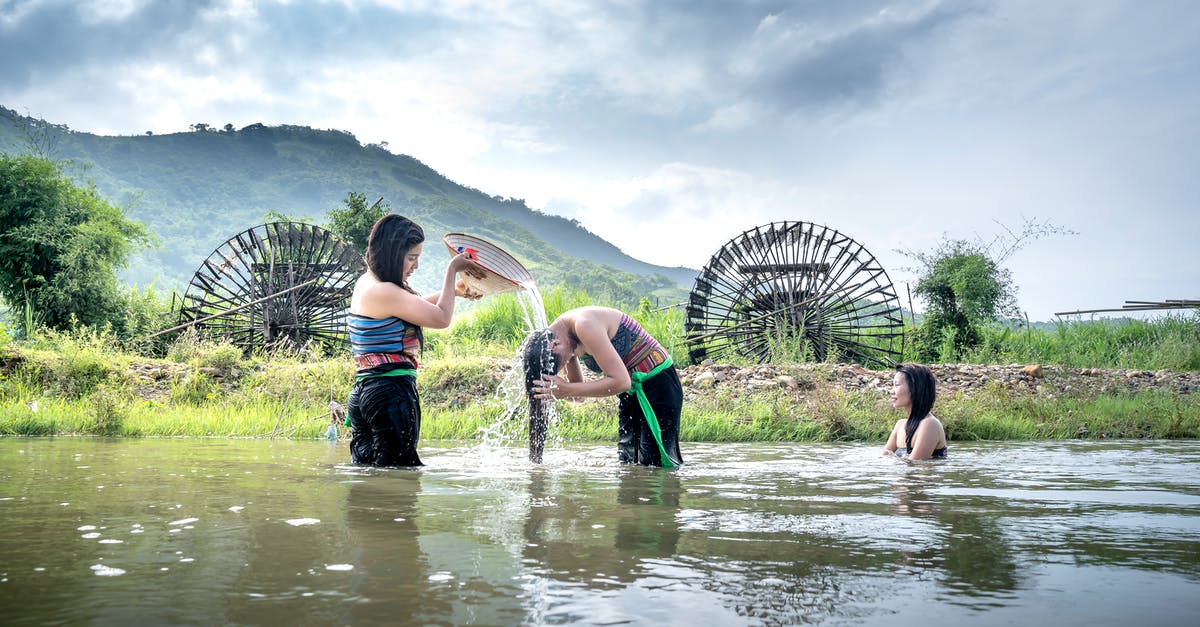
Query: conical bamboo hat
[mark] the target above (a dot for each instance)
(494, 272)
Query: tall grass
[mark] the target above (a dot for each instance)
(1166, 343)
(496, 327)
(1171, 342)
(84, 381)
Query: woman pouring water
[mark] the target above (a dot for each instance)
(386, 320)
(632, 365)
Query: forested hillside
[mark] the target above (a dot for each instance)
(197, 189)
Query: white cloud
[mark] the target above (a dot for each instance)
(891, 121)
(97, 11)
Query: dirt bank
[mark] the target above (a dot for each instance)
(708, 379)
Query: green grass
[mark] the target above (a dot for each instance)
(81, 382)
(1166, 343)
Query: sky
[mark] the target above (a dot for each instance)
(669, 127)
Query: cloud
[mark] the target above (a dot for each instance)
(681, 213)
(671, 126)
(798, 63)
(41, 40)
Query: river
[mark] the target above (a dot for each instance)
(257, 532)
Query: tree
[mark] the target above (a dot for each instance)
(60, 245)
(963, 288)
(966, 286)
(353, 224)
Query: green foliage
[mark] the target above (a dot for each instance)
(320, 380)
(196, 388)
(962, 280)
(190, 349)
(106, 413)
(60, 245)
(198, 189)
(353, 224)
(1166, 343)
(498, 319)
(963, 289)
(72, 364)
(140, 313)
(457, 383)
(965, 285)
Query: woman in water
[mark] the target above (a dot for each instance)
(631, 365)
(386, 318)
(914, 389)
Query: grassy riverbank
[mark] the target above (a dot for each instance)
(82, 384)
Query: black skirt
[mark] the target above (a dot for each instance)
(635, 441)
(385, 416)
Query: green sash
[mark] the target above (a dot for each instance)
(399, 372)
(636, 379)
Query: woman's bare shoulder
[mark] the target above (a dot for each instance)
(377, 298)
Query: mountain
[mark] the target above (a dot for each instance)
(197, 189)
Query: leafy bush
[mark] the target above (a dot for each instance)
(196, 388)
(72, 364)
(107, 412)
(60, 245)
(191, 349)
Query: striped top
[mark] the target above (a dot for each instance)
(383, 344)
(637, 348)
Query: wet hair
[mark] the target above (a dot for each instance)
(391, 238)
(537, 357)
(538, 360)
(922, 392)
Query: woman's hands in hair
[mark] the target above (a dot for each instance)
(551, 387)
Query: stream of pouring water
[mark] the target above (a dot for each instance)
(511, 423)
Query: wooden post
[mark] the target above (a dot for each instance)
(229, 311)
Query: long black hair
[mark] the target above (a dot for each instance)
(391, 238)
(537, 357)
(538, 360)
(922, 392)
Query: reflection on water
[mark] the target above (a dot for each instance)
(256, 532)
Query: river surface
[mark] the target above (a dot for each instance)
(257, 532)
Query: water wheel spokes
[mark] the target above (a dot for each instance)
(798, 288)
(282, 283)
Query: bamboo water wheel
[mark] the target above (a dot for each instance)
(282, 283)
(795, 286)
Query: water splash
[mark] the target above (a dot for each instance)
(514, 390)
(532, 305)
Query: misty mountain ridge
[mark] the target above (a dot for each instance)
(197, 189)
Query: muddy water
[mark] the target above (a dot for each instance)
(195, 531)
